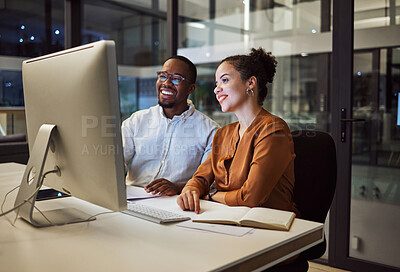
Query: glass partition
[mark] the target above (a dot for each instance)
(31, 28)
(375, 171)
(139, 31)
(27, 29)
(375, 13)
(211, 30)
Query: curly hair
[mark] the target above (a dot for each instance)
(258, 63)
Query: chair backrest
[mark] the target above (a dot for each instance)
(315, 173)
(315, 178)
(13, 138)
(14, 148)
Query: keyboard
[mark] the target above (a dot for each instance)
(153, 214)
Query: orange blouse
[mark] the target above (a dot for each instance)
(257, 170)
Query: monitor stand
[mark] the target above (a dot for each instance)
(33, 180)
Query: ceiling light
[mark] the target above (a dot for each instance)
(197, 25)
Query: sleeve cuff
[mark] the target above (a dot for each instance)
(192, 188)
(231, 198)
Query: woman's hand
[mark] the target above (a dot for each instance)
(189, 200)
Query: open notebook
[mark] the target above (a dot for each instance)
(258, 217)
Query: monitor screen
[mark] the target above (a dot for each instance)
(73, 125)
(398, 109)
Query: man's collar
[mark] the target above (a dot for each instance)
(183, 115)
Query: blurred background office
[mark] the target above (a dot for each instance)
(363, 236)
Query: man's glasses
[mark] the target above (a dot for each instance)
(175, 79)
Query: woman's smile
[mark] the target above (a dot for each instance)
(221, 97)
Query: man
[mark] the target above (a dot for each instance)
(166, 143)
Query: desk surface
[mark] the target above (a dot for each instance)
(119, 242)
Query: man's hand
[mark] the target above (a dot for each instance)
(189, 200)
(163, 187)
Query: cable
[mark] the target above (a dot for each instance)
(56, 170)
(22, 203)
(93, 216)
(5, 198)
(4, 201)
(36, 208)
(27, 199)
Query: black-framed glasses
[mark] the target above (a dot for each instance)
(175, 79)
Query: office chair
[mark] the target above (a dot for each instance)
(315, 182)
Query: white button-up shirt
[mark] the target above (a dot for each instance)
(159, 147)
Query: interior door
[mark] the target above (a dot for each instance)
(365, 214)
(375, 173)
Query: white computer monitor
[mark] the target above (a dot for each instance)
(73, 125)
(398, 109)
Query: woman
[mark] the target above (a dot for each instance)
(252, 161)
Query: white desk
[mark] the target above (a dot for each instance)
(119, 242)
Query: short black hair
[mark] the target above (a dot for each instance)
(192, 68)
(258, 63)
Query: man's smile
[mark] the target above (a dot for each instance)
(166, 92)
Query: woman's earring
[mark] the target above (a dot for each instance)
(249, 92)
